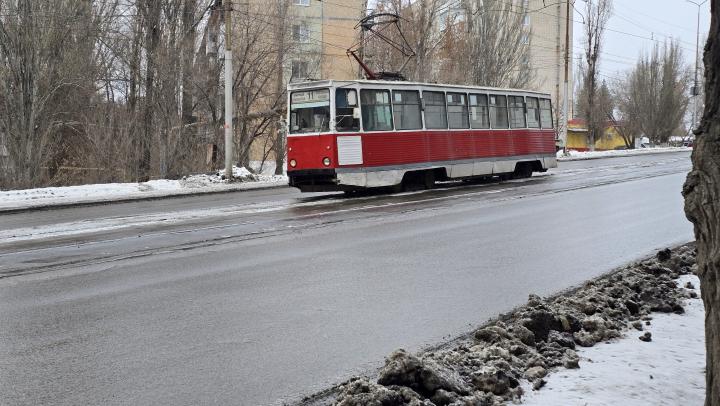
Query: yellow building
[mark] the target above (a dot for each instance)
(578, 137)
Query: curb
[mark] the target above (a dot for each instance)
(569, 159)
(100, 202)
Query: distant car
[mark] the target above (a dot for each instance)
(688, 143)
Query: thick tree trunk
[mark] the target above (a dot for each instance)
(702, 206)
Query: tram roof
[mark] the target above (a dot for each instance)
(396, 84)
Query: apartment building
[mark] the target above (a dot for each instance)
(546, 22)
(318, 34)
(323, 31)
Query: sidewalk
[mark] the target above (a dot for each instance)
(669, 370)
(26, 199)
(573, 155)
(580, 347)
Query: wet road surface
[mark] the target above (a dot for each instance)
(262, 297)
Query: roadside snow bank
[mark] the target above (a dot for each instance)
(503, 360)
(109, 192)
(573, 155)
(668, 370)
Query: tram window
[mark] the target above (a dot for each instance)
(457, 110)
(533, 112)
(345, 107)
(376, 110)
(435, 112)
(517, 112)
(498, 111)
(310, 111)
(546, 113)
(406, 110)
(479, 111)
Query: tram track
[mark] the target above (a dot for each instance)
(62, 246)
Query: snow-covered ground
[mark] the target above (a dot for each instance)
(108, 192)
(669, 370)
(573, 155)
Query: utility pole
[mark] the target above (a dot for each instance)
(361, 50)
(565, 116)
(228, 91)
(695, 91)
(280, 85)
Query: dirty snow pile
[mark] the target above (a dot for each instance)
(108, 192)
(501, 361)
(641, 368)
(573, 155)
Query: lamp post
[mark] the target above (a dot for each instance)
(694, 92)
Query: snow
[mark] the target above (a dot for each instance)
(573, 155)
(669, 370)
(108, 192)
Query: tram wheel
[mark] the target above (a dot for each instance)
(522, 170)
(429, 180)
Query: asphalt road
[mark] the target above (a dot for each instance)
(262, 297)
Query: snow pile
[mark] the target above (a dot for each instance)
(501, 361)
(635, 372)
(108, 192)
(573, 155)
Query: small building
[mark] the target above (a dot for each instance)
(578, 137)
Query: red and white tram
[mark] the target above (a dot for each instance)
(355, 134)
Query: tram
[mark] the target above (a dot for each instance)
(357, 134)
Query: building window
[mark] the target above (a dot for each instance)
(517, 112)
(546, 120)
(300, 33)
(457, 110)
(498, 111)
(526, 20)
(376, 110)
(479, 111)
(435, 112)
(299, 70)
(533, 112)
(301, 2)
(406, 110)
(525, 39)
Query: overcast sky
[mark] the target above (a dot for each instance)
(635, 22)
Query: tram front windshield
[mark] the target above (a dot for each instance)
(310, 111)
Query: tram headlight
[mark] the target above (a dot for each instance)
(293, 163)
(326, 161)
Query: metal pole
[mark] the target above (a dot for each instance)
(567, 69)
(695, 89)
(228, 91)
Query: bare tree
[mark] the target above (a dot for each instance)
(497, 44)
(653, 97)
(48, 50)
(597, 13)
(702, 206)
(256, 94)
(479, 42)
(603, 106)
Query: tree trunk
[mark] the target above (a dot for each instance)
(152, 38)
(702, 206)
(187, 137)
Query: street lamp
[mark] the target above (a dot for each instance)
(694, 92)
